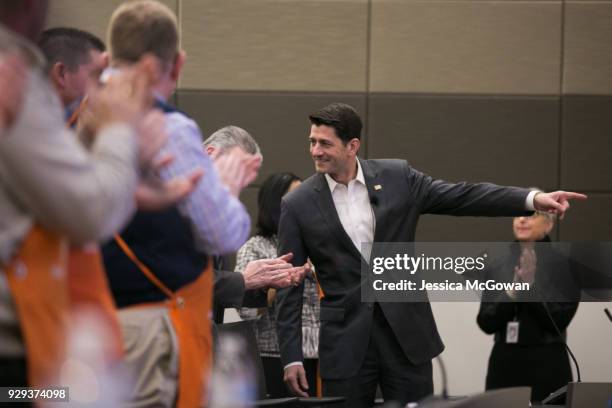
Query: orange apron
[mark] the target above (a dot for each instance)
(189, 308)
(38, 284)
(87, 282)
(88, 289)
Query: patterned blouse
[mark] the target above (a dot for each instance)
(259, 247)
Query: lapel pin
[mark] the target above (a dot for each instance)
(377, 187)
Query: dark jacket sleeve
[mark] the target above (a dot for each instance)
(228, 292)
(255, 298)
(228, 289)
(493, 316)
(466, 199)
(289, 300)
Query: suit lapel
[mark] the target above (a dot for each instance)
(376, 192)
(325, 202)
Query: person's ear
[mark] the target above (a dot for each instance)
(354, 145)
(57, 73)
(105, 59)
(210, 150)
(177, 67)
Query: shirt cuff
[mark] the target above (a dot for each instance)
(294, 364)
(529, 200)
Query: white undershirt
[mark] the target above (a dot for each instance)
(353, 206)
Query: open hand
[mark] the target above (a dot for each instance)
(236, 168)
(295, 379)
(125, 98)
(264, 273)
(525, 272)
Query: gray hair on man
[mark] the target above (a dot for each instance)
(231, 136)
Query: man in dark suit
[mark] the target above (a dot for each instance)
(351, 201)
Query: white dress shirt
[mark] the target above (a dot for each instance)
(353, 206)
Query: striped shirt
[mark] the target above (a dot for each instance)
(219, 220)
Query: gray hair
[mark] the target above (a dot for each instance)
(231, 136)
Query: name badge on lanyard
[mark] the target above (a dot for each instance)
(512, 332)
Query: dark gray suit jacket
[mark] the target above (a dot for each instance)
(310, 228)
(229, 292)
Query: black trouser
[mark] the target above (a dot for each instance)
(386, 364)
(275, 386)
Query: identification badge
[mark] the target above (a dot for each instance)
(512, 332)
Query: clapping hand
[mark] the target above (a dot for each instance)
(236, 168)
(274, 273)
(525, 271)
(154, 194)
(125, 98)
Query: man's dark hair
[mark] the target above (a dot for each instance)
(269, 202)
(70, 46)
(340, 116)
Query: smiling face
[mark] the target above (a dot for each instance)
(531, 229)
(330, 154)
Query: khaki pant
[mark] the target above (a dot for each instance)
(151, 356)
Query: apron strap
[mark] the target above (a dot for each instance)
(143, 268)
(77, 112)
(319, 288)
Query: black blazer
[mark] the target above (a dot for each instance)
(229, 292)
(310, 228)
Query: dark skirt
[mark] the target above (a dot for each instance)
(543, 367)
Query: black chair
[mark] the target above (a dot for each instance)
(278, 402)
(320, 402)
(246, 330)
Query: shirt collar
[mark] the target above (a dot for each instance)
(333, 183)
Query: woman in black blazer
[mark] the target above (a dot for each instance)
(528, 350)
